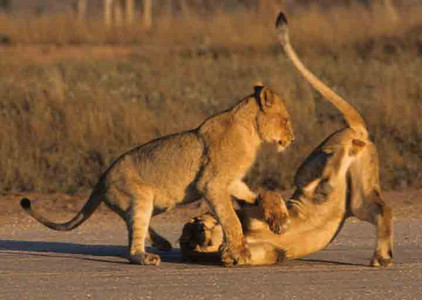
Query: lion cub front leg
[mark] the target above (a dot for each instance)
(241, 191)
(275, 211)
(234, 251)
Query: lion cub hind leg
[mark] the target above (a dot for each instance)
(383, 220)
(241, 191)
(275, 211)
(367, 205)
(158, 241)
(376, 211)
(138, 224)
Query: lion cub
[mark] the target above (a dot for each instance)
(209, 161)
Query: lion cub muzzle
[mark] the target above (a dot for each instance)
(282, 145)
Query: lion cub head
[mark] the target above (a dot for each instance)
(201, 234)
(273, 120)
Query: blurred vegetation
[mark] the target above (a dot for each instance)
(65, 117)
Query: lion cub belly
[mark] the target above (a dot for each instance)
(172, 170)
(303, 237)
(166, 201)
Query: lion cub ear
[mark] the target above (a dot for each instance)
(265, 97)
(357, 146)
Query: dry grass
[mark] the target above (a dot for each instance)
(65, 119)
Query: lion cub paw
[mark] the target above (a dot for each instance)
(145, 259)
(275, 211)
(278, 222)
(230, 257)
(378, 261)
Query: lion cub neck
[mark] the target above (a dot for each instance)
(239, 122)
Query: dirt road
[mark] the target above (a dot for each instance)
(89, 263)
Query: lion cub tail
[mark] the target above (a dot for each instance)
(93, 202)
(352, 117)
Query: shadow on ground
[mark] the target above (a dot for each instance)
(174, 256)
(36, 247)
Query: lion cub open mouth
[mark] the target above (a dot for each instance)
(280, 146)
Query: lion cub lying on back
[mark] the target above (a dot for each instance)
(209, 161)
(339, 179)
(202, 236)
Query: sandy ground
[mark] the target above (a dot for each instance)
(89, 263)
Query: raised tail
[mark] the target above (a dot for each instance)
(88, 209)
(350, 114)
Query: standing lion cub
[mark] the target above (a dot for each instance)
(209, 161)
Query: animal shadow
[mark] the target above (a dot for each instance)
(107, 253)
(89, 252)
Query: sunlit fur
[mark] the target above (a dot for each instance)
(209, 161)
(339, 179)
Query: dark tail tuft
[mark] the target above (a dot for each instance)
(281, 255)
(281, 21)
(26, 203)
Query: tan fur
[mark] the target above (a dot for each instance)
(209, 161)
(275, 212)
(339, 179)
